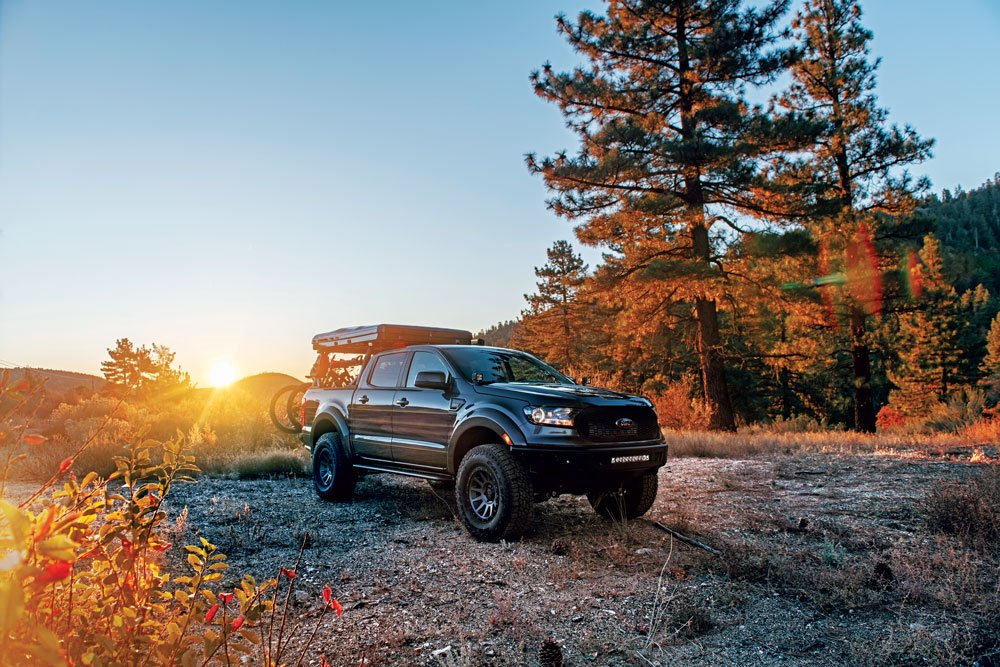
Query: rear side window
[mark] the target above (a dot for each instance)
(424, 361)
(386, 371)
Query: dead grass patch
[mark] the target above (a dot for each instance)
(968, 510)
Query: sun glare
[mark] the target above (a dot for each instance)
(222, 374)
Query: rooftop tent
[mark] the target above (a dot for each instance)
(375, 337)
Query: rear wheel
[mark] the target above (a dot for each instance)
(629, 501)
(493, 494)
(333, 475)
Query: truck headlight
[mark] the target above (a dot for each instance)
(550, 416)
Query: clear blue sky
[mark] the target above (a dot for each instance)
(228, 178)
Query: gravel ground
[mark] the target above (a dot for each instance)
(809, 573)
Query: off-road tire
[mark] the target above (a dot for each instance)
(493, 493)
(333, 475)
(630, 501)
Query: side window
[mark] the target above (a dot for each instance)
(424, 361)
(386, 371)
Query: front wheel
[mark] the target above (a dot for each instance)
(493, 493)
(333, 475)
(629, 501)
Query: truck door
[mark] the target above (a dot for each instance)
(424, 418)
(372, 409)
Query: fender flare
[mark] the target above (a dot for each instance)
(334, 418)
(490, 418)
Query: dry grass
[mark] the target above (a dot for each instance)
(258, 464)
(969, 509)
(750, 444)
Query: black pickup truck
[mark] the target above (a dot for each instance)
(502, 427)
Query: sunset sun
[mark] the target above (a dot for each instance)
(222, 374)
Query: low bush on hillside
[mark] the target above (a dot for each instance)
(227, 430)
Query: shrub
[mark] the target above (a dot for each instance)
(81, 578)
(889, 419)
(968, 510)
(678, 408)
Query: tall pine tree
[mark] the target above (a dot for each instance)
(853, 173)
(666, 142)
(991, 363)
(928, 340)
(551, 325)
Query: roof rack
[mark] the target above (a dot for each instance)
(377, 337)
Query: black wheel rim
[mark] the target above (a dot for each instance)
(324, 468)
(483, 494)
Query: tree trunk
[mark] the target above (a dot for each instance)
(713, 370)
(784, 381)
(864, 406)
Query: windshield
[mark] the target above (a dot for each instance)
(503, 366)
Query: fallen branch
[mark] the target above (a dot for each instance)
(687, 540)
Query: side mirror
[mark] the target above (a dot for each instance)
(431, 380)
(585, 381)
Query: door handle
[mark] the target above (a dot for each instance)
(402, 402)
(363, 400)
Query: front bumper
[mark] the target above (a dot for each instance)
(562, 467)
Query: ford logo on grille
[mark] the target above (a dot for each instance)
(625, 422)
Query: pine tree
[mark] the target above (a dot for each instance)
(142, 372)
(991, 363)
(666, 141)
(551, 325)
(126, 370)
(853, 172)
(929, 341)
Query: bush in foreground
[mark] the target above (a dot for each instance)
(82, 579)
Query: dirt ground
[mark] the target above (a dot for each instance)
(825, 561)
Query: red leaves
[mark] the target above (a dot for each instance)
(161, 547)
(323, 661)
(288, 573)
(330, 601)
(56, 571)
(65, 465)
(226, 597)
(33, 438)
(212, 611)
(237, 624)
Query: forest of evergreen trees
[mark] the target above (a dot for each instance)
(778, 261)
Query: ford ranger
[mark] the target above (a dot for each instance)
(502, 427)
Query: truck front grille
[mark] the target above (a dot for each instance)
(617, 424)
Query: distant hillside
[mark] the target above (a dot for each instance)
(59, 382)
(500, 334)
(968, 225)
(264, 385)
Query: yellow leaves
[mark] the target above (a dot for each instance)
(18, 522)
(59, 547)
(11, 604)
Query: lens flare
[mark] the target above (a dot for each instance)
(222, 374)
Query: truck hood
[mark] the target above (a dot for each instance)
(558, 394)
